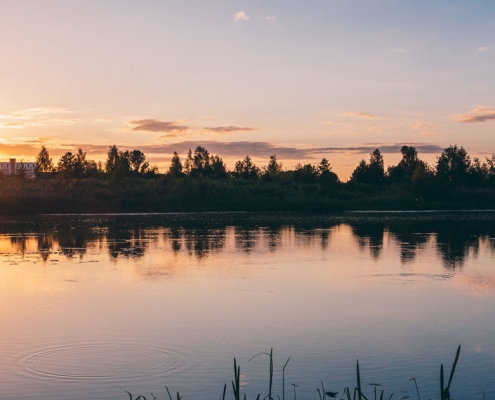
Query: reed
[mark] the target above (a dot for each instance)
(357, 393)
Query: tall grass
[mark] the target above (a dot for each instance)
(348, 393)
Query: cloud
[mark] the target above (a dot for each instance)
(482, 49)
(241, 16)
(30, 113)
(399, 50)
(155, 125)
(421, 126)
(39, 116)
(363, 115)
(103, 120)
(230, 128)
(266, 149)
(334, 123)
(384, 148)
(479, 114)
(270, 17)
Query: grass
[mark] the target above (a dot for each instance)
(348, 393)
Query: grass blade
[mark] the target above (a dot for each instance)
(453, 366)
(358, 381)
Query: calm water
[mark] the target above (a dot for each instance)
(92, 304)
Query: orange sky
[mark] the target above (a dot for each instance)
(302, 81)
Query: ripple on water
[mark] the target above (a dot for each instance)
(102, 360)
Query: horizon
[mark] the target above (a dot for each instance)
(302, 81)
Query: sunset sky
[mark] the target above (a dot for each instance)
(299, 79)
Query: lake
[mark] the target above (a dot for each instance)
(92, 305)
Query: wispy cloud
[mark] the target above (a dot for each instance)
(266, 149)
(230, 128)
(224, 149)
(399, 50)
(365, 115)
(40, 116)
(334, 123)
(270, 17)
(384, 148)
(479, 114)
(30, 113)
(155, 125)
(482, 49)
(241, 16)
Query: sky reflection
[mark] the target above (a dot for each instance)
(181, 295)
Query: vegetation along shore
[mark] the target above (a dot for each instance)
(354, 393)
(126, 182)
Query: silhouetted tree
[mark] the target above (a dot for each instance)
(201, 163)
(67, 164)
(80, 164)
(373, 172)
(112, 159)
(198, 163)
(138, 162)
(490, 170)
(44, 163)
(305, 173)
(20, 172)
(217, 167)
(453, 166)
(423, 177)
(273, 168)
(409, 159)
(246, 169)
(175, 168)
(325, 173)
(404, 171)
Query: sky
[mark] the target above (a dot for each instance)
(299, 79)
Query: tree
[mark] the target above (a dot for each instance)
(175, 168)
(246, 169)
(201, 161)
(20, 172)
(423, 177)
(359, 175)
(112, 159)
(118, 163)
(273, 168)
(490, 170)
(138, 162)
(373, 172)
(305, 173)
(198, 163)
(325, 173)
(67, 164)
(477, 173)
(80, 164)
(404, 171)
(453, 166)
(218, 169)
(44, 163)
(409, 159)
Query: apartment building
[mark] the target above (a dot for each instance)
(12, 167)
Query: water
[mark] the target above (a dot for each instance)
(91, 305)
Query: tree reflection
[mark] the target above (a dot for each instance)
(200, 236)
(370, 235)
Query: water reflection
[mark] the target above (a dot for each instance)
(111, 300)
(203, 236)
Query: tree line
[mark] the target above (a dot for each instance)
(454, 167)
(126, 182)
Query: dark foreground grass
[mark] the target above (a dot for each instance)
(348, 393)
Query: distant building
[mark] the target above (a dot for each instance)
(12, 168)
